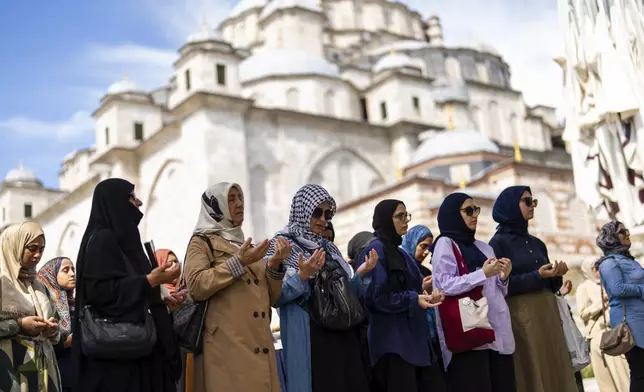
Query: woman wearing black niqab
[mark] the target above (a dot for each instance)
(111, 240)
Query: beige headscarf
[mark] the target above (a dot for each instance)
(587, 269)
(18, 298)
(214, 216)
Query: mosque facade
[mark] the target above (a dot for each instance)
(362, 97)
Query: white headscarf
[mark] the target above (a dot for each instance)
(587, 269)
(215, 218)
(18, 298)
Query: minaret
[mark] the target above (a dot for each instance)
(434, 31)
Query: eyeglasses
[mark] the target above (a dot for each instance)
(529, 202)
(624, 232)
(34, 248)
(472, 211)
(403, 217)
(318, 212)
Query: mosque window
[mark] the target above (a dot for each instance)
(138, 131)
(364, 110)
(383, 110)
(28, 211)
(416, 103)
(107, 136)
(187, 76)
(221, 74)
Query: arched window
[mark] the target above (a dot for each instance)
(293, 98)
(453, 68)
(329, 103)
(494, 120)
(514, 128)
(479, 119)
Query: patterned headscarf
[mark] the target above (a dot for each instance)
(162, 256)
(214, 217)
(63, 300)
(298, 231)
(608, 240)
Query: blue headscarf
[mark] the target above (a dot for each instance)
(415, 236)
(452, 225)
(507, 213)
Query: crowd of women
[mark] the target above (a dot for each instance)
(483, 318)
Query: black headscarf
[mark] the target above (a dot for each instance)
(452, 225)
(357, 245)
(329, 227)
(507, 212)
(384, 230)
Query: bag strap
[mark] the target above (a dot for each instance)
(211, 256)
(601, 286)
(460, 262)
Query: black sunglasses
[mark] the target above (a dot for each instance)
(318, 212)
(530, 201)
(472, 211)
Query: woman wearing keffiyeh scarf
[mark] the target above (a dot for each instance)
(58, 277)
(316, 359)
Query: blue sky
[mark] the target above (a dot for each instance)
(59, 58)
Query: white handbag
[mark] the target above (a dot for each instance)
(474, 313)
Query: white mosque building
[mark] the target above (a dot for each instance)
(362, 97)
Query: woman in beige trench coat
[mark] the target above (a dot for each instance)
(240, 286)
(612, 373)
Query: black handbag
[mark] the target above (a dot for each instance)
(187, 321)
(103, 338)
(332, 304)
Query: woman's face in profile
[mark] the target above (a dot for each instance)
(66, 276)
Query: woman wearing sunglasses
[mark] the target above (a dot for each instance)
(542, 362)
(486, 364)
(399, 334)
(316, 358)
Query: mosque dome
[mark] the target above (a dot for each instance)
(22, 176)
(122, 86)
(276, 5)
(285, 63)
(246, 5)
(394, 61)
(456, 142)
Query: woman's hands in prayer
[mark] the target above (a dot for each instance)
(553, 270)
(282, 250)
(166, 273)
(566, 288)
(312, 265)
(506, 268)
(427, 301)
(492, 267)
(175, 300)
(370, 262)
(51, 329)
(428, 283)
(32, 325)
(249, 254)
(68, 341)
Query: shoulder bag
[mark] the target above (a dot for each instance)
(465, 316)
(187, 321)
(619, 340)
(104, 338)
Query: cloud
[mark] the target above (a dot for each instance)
(526, 33)
(179, 19)
(78, 125)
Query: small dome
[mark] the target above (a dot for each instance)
(246, 5)
(456, 142)
(275, 5)
(21, 176)
(205, 34)
(285, 63)
(486, 48)
(394, 61)
(122, 86)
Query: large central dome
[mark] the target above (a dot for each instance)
(456, 142)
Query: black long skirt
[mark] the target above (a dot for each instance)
(338, 360)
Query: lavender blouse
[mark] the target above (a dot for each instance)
(447, 279)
